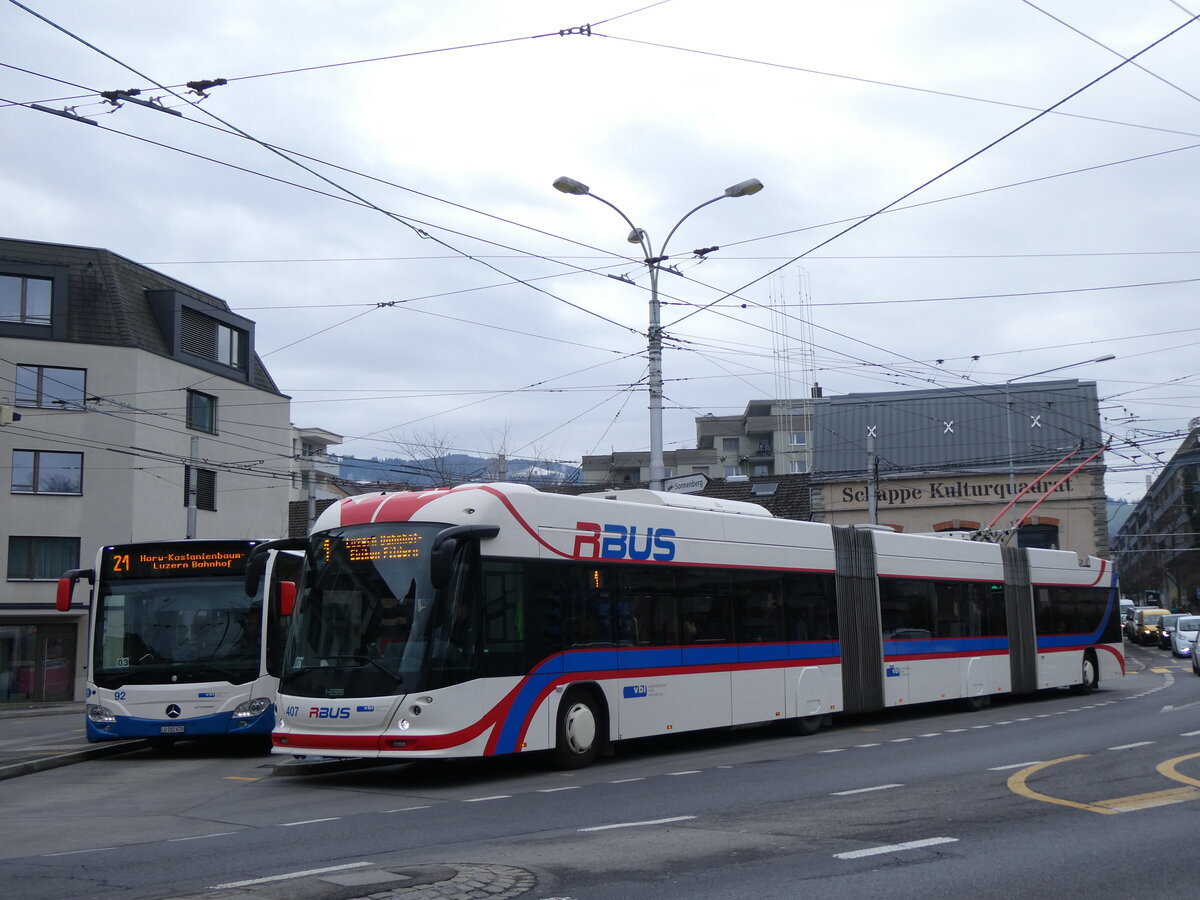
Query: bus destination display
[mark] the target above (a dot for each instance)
(379, 547)
(188, 559)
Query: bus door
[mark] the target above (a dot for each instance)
(652, 696)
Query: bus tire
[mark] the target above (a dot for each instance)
(1090, 675)
(803, 725)
(976, 703)
(577, 735)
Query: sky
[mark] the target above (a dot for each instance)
(955, 194)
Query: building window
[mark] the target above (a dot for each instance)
(762, 470)
(1043, 536)
(203, 336)
(798, 438)
(46, 472)
(205, 488)
(50, 387)
(799, 466)
(202, 412)
(731, 444)
(730, 470)
(231, 345)
(24, 300)
(41, 558)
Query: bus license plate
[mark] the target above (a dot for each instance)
(171, 729)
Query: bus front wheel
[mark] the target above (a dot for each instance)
(578, 732)
(1090, 675)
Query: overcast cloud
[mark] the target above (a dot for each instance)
(1071, 239)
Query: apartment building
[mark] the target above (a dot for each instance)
(139, 410)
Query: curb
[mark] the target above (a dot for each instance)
(23, 712)
(65, 759)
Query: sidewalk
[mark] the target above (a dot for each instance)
(35, 737)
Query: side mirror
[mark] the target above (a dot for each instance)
(256, 562)
(62, 602)
(441, 556)
(66, 587)
(287, 598)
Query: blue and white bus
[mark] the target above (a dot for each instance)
(180, 646)
(491, 619)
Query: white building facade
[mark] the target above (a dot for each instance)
(144, 414)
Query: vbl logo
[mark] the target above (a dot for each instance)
(326, 712)
(619, 542)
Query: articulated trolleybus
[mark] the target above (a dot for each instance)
(492, 619)
(177, 645)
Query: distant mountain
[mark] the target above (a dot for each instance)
(456, 467)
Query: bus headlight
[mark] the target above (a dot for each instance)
(100, 715)
(251, 708)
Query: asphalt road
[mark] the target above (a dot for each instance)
(1088, 795)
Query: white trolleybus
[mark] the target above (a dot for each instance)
(176, 645)
(492, 619)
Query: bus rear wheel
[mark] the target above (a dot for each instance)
(803, 725)
(578, 733)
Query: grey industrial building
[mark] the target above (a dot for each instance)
(918, 460)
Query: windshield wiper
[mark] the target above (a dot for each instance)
(325, 660)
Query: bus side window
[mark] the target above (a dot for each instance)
(504, 615)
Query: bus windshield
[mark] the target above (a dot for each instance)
(181, 630)
(364, 618)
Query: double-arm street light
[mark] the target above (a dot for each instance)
(654, 334)
(1012, 478)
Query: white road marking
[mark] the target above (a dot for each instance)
(308, 822)
(569, 787)
(862, 746)
(899, 740)
(73, 852)
(1015, 766)
(1131, 746)
(626, 780)
(405, 809)
(290, 875)
(200, 837)
(834, 750)
(895, 848)
(638, 824)
(689, 772)
(878, 787)
(485, 799)
(1190, 733)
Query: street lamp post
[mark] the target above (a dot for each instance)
(1012, 477)
(654, 333)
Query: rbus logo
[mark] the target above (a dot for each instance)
(326, 712)
(619, 542)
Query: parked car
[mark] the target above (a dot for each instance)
(1165, 627)
(1184, 635)
(1145, 624)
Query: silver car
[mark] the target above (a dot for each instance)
(1184, 636)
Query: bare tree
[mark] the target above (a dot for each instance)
(429, 453)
